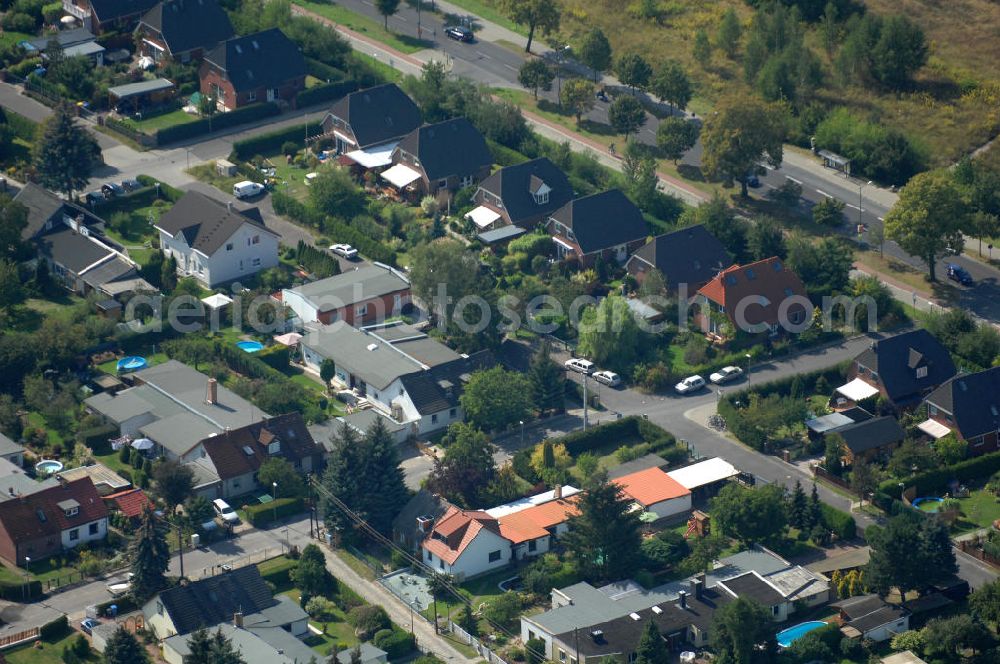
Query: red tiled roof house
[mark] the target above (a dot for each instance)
(42, 524)
(751, 299)
(656, 492)
(466, 543)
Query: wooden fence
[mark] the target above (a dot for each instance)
(8, 640)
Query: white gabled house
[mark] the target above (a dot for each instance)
(215, 242)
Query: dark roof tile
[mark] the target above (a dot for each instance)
(871, 434)
(205, 222)
(263, 59)
(215, 600)
(378, 115)
(691, 256)
(186, 25)
(450, 148)
(243, 450)
(973, 400)
(896, 360)
(604, 220)
(515, 185)
(39, 514)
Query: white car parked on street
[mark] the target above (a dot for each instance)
(725, 375)
(609, 378)
(579, 365)
(690, 384)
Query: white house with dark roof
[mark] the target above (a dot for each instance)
(216, 242)
(397, 369)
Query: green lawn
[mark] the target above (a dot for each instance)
(111, 366)
(979, 510)
(138, 229)
(37, 421)
(148, 125)
(365, 26)
(337, 631)
(488, 12)
(388, 74)
(9, 38)
(49, 653)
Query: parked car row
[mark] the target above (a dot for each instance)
(111, 190)
(609, 378)
(694, 383)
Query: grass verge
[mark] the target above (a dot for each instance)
(364, 25)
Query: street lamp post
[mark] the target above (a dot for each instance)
(861, 205)
(521, 422)
(748, 368)
(274, 501)
(27, 576)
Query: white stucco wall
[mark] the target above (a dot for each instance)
(85, 536)
(530, 630)
(239, 256)
(671, 507)
(474, 560)
(302, 308)
(886, 632)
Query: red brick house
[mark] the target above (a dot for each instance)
(969, 407)
(42, 524)
(357, 297)
(102, 15)
(371, 121)
(182, 30)
(750, 298)
(524, 195)
(605, 225)
(439, 158)
(264, 66)
(690, 256)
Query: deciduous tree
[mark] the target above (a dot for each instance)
(702, 49)
(466, 467)
(541, 15)
(728, 36)
(310, 574)
(594, 51)
(288, 479)
(13, 221)
(386, 8)
(626, 115)
(675, 136)
(670, 83)
(740, 133)
(910, 553)
(750, 514)
(496, 398)
(766, 239)
(535, 74)
(742, 633)
(609, 334)
(985, 603)
(577, 96)
(65, 153)
(443, 267)
(633, 70)
(174, 482)
(928, 218)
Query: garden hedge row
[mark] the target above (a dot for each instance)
(125, 603)
(273, 140)
(275, 356)
(216, 122)
(17, 592)
(323, 71)
(279, 508)
(935, 481)
(319, 263)
(395, 642)
(97, 437)
(167, 192)
(616, 432)
(54, 629)
(324, 93)
(336, 229)
(22, 127)
(505, 156)
(839, 522)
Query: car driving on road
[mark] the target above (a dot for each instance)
(725, 375)
(959, 274)
(690, 384)
(459, 33)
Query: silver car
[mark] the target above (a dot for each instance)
(690, 384)
(609, 378)
(725, 375)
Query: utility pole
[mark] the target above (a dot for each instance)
(180, 549)
(585, 376)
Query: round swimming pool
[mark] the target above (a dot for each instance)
(928, 503)
(250, 346)
(787, 637)
(48, 466)
(131, 363)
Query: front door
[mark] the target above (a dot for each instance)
(272, 94)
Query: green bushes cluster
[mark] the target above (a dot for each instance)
(935, 481)
(216, 122)
(332, 227)
(172, 194)
(395, 642)
(324, 93)
(273, 140)
(54, 629)
(881, 153)
(840, 523)
(19, 592)
(275, 356)
(265, 513)
(323, 71)
(319, 263)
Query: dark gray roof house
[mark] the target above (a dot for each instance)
(413, 523)
(874, 434)
(449, 149)
(905, 367)
(753, 587)
(206, 223)
(373, 116)
(690, 256)
(525, 194)
(969, 405)
(263, 59)
(600, 221)
(65, 39)
(45, 209)
(110, 11)
(183, 26)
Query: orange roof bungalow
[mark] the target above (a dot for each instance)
(531, 531)
(751, 298)
(656, 492)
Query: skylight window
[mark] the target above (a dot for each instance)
(750, 275)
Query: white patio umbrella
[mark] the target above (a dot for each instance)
(143, 444)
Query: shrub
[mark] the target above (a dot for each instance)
(81, 646)
(274, 140)
(54, 630)
(936, 480)
(216, 122)
(395, 642)
(839, 523)
(368, 619)
(279, 508)
(322, 93)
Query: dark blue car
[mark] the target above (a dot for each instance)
(959, 274)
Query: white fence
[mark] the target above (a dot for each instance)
(484, 652)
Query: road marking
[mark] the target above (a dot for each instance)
(483, 55)
(768, 167)
(798, 182)
(854, 207)
(402, 18)
(823, 193)
(881, 219)
(510, 67)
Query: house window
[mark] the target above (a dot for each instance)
(252, 95)
(440, 564)
(467, 180)
(361, 310)
(236, 484)
(442, 184)
(255, 262)
(229, 246)
(74, 534)
(452, 413)
(542, 198)
(532, 545)
(159, 608)
(562, 655)
(253, 240)
(775, 610)
(434, 418)
(73, 511)
(274, 447)
(93, 529)
(494, 556)
(932, 411)
(921, 372)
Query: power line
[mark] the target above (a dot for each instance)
(417, 563)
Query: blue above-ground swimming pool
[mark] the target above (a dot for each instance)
(250, 346)
(48, 466)
(787, 637)
(131, 363)
(927, 503)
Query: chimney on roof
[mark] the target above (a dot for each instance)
(10, 491)
(682, 599)
(697, 585)
(425, 523)
(557, 491)
(238, 619)
(212, 394)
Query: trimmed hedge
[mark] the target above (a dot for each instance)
(323, 71)
(54, 629)
(97, 437)
(395, 642)
(125, 603)
(839, 522)
(272, 141)
(615, 433)
(275, 356)
(167, 192)
(279, 573)
(319, 263)
(504, 155)
(22, 127)
(263, 514)
(323, 93)
(934, 481)
(17, 592)
(216, 122)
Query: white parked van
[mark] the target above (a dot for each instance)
(580, 365)
(247, 189)
(225, 512)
